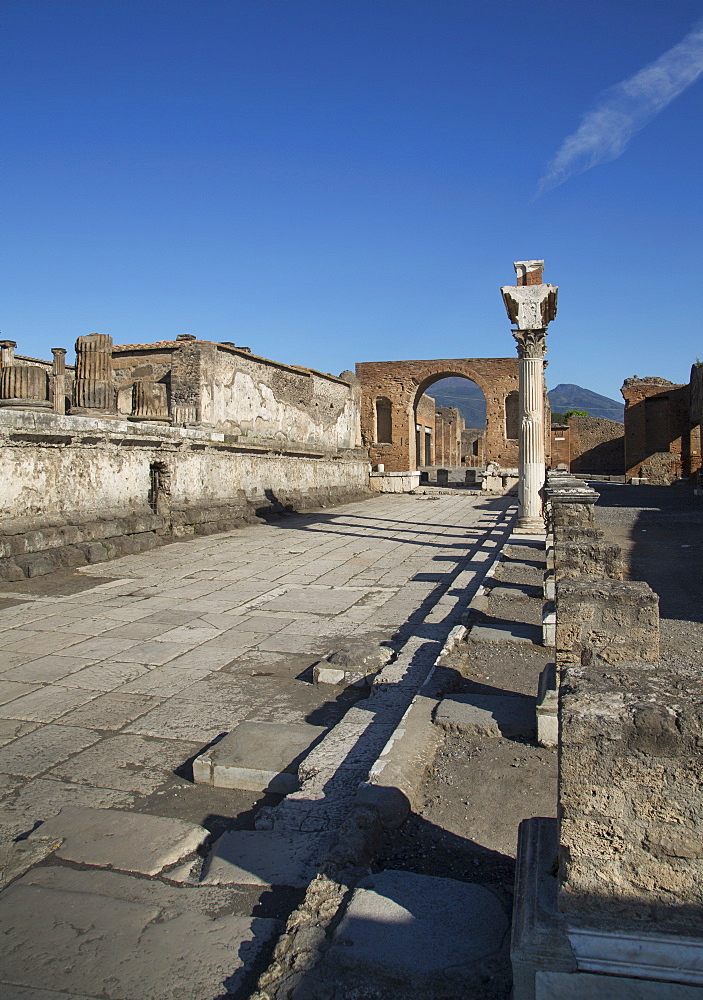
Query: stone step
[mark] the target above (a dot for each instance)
(519, 573)
(502, 590)
(421, 930)
(258, 757)
(266, 858)
(87, 933)
(487, 715)
(498, 630)
(127, 841)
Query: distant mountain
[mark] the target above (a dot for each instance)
(573, 397)
(465, 395)
(468, 399)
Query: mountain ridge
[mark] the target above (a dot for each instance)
(468, 399)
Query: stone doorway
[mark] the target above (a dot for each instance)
(391, 391)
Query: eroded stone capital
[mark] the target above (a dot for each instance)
(531, 343)
(530, 307)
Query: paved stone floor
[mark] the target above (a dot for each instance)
(113, 678)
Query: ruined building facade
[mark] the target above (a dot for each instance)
(139, 443)
(663, 427)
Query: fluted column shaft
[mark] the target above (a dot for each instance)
(93, 387)
(531, 350)
(24, 387)
(58, 380)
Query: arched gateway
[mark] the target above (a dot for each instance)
(390, 391)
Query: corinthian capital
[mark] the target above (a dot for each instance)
(530, 307)
(530, 343)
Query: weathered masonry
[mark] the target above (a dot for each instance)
(663, 427)
(143, 443)
(391, 390)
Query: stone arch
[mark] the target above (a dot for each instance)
(403, 382)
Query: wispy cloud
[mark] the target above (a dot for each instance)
(605, 132)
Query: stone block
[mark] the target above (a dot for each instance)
(586, 986)
(588, 558)
(500, 631)
(266, 857)
(258, 756)
(396, 924)
(547, 707)
(487, 715)
(617, 621)
(358, 663)
(127, 841)
(9, 570)
(122, 937)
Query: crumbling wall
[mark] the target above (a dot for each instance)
(630, 755)
(657, 430)
(62, 471)
(631, 851)
(597, 445)
(244, 395)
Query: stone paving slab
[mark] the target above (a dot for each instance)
(43, 798)
(257, 756)
(18, 857)
(127, 841)
(123, 949)
(10, 991)
(506, 631)
(126, 762)
(213, 632)
(587, 986)
(487, 715)
(265, 857)
(29, 755)
(397, 924)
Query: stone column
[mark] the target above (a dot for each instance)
(531, 306)
(24, 387)
(93, 387)
(149, 402)
(58, 379)
(7, 353)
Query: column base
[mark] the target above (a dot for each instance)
(529, 526)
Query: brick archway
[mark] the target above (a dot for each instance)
(401, 383)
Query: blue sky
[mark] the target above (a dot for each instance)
(332, 181)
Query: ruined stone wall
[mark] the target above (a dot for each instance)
(403, 382)
(449, 426)
(244, 395)
(597, 445)
(473, 447)
(657, 430)
(63, 471)
(630, 756)
(696, 384)
(425, 419)
(631, 812)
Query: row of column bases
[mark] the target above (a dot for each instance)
(91, 391)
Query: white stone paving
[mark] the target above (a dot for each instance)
(106, 692)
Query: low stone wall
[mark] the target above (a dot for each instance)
(609, 898)
(631, 812)
(597, 445)
(75, 490)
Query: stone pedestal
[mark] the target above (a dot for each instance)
(7, 353)
(531, 306)
(24, 387)
(93, 389)
(149, 402)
